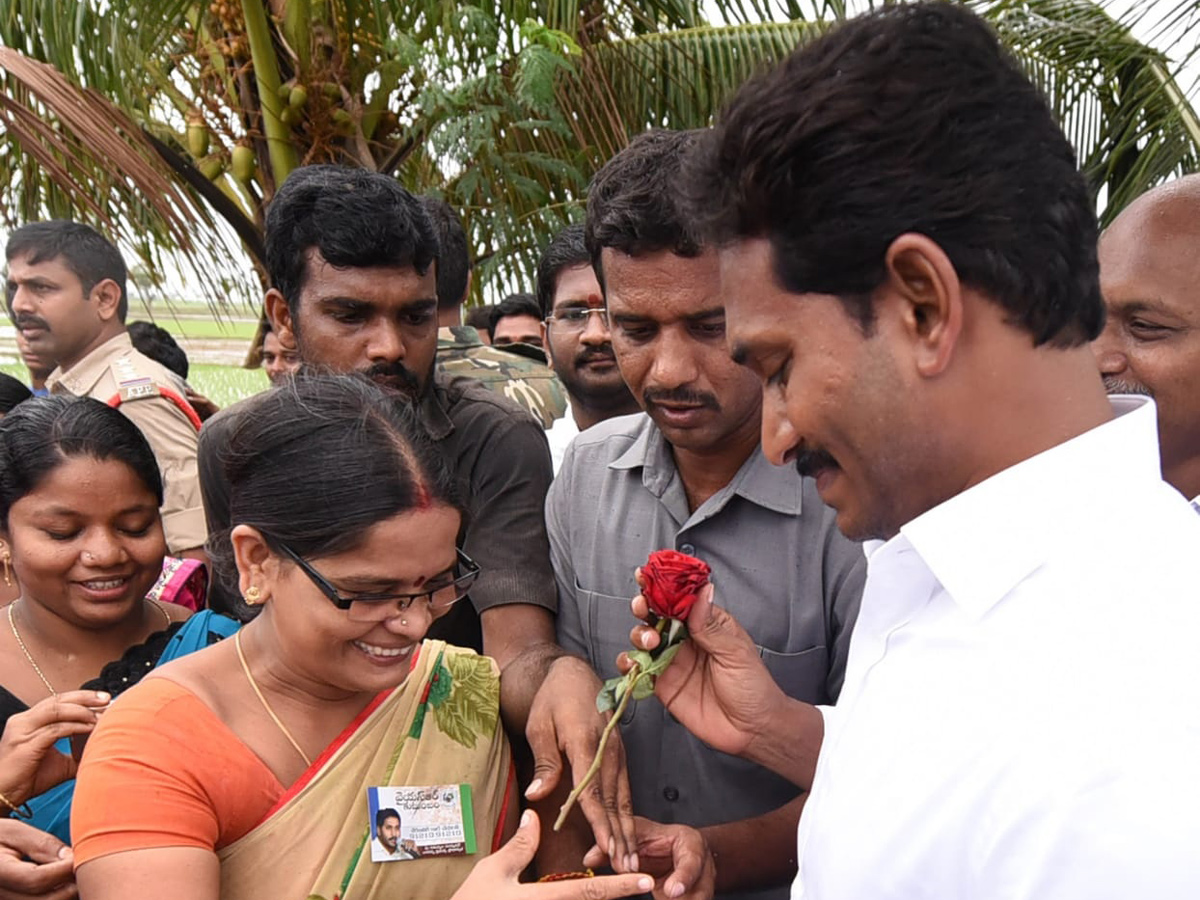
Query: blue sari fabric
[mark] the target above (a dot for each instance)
(52, 810)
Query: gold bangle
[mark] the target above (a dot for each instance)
(23, 811)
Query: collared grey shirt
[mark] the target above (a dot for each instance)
(779, 565)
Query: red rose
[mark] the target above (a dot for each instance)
(672, 582)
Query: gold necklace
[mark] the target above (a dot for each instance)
(12, 623)
(237, 642)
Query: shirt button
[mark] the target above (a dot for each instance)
(671, 794)
(689, 549)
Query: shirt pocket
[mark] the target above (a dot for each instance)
(802, 676)
(608, 621)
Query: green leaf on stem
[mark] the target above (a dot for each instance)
(659, 664)
(643, 687)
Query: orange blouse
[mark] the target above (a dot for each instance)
(161, 770)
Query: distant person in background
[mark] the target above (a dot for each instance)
(158, 344)
(66, 294)
(1150, 278)
(12, 392)
(517, 319)
(460, 350)
(278, 361)
(479, 318)
(578, 343)
(39, 369)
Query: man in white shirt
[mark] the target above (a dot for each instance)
(1150, 277)
(909, 264)
(578, 343)
(387, 846)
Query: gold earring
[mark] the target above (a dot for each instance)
(253, 595)
(7, 561)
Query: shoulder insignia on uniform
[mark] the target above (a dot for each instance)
(137, 389)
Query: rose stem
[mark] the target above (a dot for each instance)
(573, 797)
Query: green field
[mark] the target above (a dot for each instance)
(200, 327)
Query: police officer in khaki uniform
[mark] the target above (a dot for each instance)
(65, 289)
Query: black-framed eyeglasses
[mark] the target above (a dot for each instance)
(575, 318)
(377, 607)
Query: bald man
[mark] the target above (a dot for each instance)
(1150, 278)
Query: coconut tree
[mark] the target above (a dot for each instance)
(171, 123)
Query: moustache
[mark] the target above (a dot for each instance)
(601, 353)
(1117, 386)
(394, 376)
(680, 396)
(809, 461)
(26, 321)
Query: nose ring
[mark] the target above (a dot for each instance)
(88, 556)
(404, 621)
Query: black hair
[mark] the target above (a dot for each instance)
(354, 218)
(322, 459)
(384, 814)
(43, 432)
(454, 259)
(479, 318)
(89, 255)
(513, 305)
(633, 202)
(156, 342)
(566, 250)
(908, 119)
(12, 392)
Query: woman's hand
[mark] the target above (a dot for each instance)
(34, 864)
(29, 764)
(495, 878)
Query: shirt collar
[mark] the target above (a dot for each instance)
(83, 376)
(979, 544)
(777, 488)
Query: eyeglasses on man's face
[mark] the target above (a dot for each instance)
(575, 318)
(367, 607)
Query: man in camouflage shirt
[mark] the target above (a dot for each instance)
(460, 350)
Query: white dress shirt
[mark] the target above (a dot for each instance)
(560, 435)
(1021, 711)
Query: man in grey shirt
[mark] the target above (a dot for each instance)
(691, 476)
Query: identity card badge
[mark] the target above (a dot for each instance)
(416, 822)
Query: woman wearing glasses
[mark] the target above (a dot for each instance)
(246, 770)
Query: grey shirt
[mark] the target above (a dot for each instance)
(779, 564)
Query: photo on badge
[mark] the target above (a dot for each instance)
(414, 822)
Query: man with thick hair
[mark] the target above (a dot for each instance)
(65, 291)
(516, 320)
(908, 254)
(689, 475)
(156, 342)
(460, 348)
(578, 343)
(352, 259)
(1150, 277)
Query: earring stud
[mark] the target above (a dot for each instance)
(253, 595)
